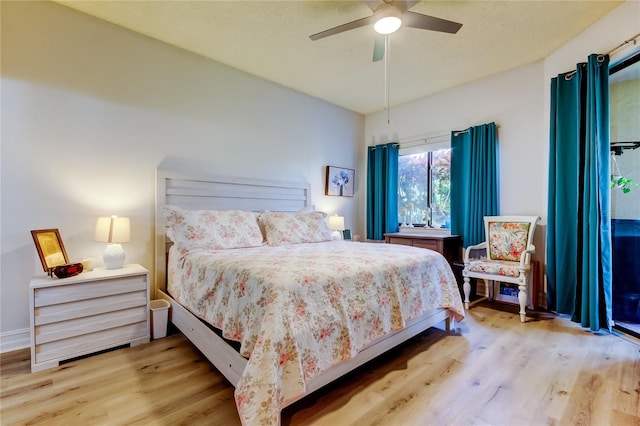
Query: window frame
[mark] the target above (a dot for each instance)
(425, 145)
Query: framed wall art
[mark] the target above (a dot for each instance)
(339, 181)
(50, 248)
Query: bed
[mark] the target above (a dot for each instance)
(282, 319)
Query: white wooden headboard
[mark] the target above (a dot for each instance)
(196, 191)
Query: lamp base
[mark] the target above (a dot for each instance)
(114, 256)
(336, 235)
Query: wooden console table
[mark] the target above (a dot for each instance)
(448, 245)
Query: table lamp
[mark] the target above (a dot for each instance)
(336, 224)
(113, 231)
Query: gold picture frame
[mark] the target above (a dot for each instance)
(50, 248)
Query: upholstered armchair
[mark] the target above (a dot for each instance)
(505, 256)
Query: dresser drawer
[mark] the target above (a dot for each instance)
(69, 293)
(86, 325)
(426, 244)
(79, 345)
(401, 241)
(89, 307)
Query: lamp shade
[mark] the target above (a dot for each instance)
(336, 223)
(112, 229)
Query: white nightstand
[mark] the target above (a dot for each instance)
(90, 312)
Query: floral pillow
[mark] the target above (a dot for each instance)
(212, 229)
(507, 240)
(286, 228)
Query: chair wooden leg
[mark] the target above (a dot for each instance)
(522, 298)
(466, 287)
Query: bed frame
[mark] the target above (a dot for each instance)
(190, 191)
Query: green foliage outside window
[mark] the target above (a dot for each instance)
(416, 172)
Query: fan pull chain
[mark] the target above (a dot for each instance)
(387, 52)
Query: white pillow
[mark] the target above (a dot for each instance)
(212, 229)
(285, 228)
(309, 209)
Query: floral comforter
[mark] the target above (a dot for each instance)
(299, 309)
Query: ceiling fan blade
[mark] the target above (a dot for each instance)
(400, 4)
(405, 5)
(344, 27)
(373, 4)
(378, 48)
(426, 22)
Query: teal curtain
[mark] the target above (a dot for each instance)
(382, 190)
(474, 181)
(578, 217)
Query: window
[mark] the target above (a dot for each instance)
(424, 183)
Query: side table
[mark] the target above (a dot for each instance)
(87, 313)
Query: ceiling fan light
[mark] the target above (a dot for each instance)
(387, 25)
(387, 19)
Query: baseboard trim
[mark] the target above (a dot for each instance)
(14, 340)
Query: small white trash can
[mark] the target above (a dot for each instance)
(159, 318)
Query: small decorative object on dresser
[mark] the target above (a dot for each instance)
(87, 313)
(66, 271)
(50, 248)
(87, 264)
(339, 181)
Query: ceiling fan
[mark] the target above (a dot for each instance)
(388, 16)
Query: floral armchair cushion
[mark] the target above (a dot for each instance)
(507, 240)
(497, 267)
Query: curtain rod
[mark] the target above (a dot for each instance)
(438, 136)
(601, 56)
(630, 40)
(384, 145)
(461, 132)
(424, 138)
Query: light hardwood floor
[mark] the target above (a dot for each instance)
(492, 371)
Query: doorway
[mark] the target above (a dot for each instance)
(624, 85)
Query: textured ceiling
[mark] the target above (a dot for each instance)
(270, 39)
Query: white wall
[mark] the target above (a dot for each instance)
(513, 100)
(89, 110)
